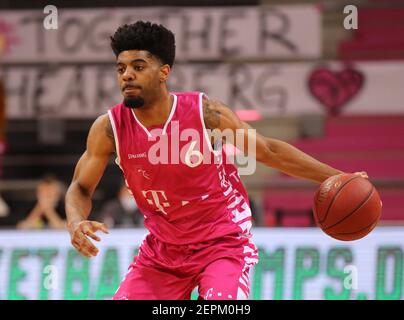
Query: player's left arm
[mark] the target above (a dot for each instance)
(271, 152)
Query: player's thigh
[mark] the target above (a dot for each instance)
(224, 279)
(145, 283)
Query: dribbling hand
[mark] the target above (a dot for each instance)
(363, 174)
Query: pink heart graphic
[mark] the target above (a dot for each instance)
(335, 89)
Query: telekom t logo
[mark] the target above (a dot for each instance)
(153, 198)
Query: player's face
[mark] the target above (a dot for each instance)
(139, 75)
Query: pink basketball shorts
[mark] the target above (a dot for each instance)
(219, 268)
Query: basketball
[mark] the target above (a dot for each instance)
(347, 207)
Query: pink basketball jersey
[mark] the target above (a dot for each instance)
(180, 183)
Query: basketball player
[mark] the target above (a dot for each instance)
(197, 215)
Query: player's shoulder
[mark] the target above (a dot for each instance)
(210, 106)
(101, 121)
(102, 125)
(101, 133)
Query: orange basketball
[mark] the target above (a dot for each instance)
(347, 207)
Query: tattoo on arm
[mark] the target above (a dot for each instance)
(211, 116)
(109, 133)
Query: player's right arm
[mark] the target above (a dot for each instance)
(87, 174)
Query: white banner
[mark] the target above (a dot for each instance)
(86, 91)
(294, 264)
(201, 33)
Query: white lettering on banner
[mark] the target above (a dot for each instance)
(201, 33)
(86, 91)
(62, 91)
(280, 274)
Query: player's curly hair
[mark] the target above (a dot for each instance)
(144, 35)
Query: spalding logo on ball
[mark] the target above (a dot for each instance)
(347, 207)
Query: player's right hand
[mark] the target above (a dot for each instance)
(80, 232)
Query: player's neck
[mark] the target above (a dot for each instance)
(157, 112)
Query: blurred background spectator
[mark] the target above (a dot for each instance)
(121, 211)
(48, 211)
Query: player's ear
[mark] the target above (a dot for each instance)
(164, 72)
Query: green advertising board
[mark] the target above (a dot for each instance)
(294, 264)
